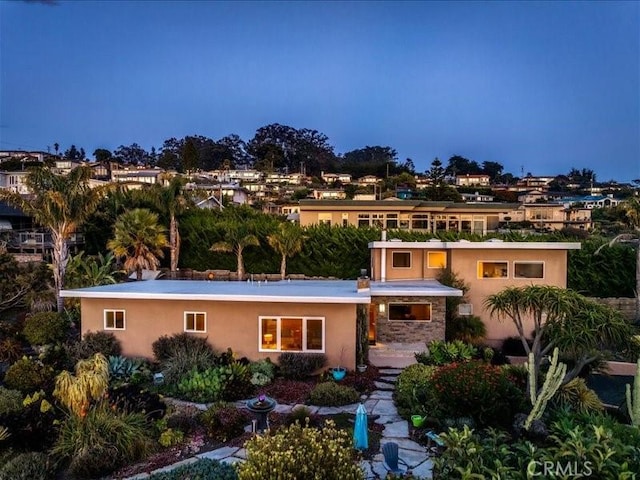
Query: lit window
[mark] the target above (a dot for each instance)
(492, 270)
(296, 334)
(403, 312)
(401, 259)
(114, 319)
(436, 259)
(195, 322)
(528, 270)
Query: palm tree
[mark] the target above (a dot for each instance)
(91, 271)
(61, 204)
(139, 239)
(237, 236)
(171, 201)
(287, 241)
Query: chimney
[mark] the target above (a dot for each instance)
(363, 283)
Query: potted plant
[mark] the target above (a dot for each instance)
(338, 373)
(362, 367)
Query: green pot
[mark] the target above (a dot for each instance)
(417, 420)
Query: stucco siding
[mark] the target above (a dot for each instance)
(229, 324)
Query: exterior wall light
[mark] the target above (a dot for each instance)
(382, 308)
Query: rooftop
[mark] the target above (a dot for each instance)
(298, 291)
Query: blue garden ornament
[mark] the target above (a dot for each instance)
(360, 435)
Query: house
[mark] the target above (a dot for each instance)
(550, 216)
(469, 180)
(404, 301)
(476, 197)
(14, 181)
(409, 215)
(485, 267)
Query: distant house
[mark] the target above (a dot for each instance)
(14, 181)
(329, 194)
(591, 201)
(404, 302)
(143, 176)
(550, 216)
(368, 180)
(476, 198)
(468, 180)
(335, 177)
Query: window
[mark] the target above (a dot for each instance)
(420, 222)
(436, 259)
(345, 219)
(363, 220)
(392, 221)
(114, 319)
(493, 269)
(404, 221)
(195, 322)
(401, 259)
(465, 309)
(528, 270)
(294, 334)
(377, 220)
(324, 218)
(403, 312)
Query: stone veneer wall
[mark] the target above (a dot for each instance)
(410, 331)
(627, 306)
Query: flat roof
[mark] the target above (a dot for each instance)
(413, 288)
(397, 203)
(486, 245)
(296, 291)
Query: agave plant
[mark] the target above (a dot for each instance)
(123, 368)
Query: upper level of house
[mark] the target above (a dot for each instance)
(473, 180)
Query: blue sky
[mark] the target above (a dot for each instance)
(538, 87)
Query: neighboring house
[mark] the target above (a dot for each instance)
(405, 301)
(413, 215)
(472, 180)
(143, 176)
(476, 198)
(14, 181)
(368, 180)
(232, 192)
(335, 177)
(539, 182)
(550, 216)
(533, 196)
(591, 201)
(329, 194)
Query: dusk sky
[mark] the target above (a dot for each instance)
(537, 87)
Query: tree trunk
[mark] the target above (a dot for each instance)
(240, 267)
(283, 267)
(138, 274)
(173, 243)
(60, 260)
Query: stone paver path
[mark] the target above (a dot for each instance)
(379, 402)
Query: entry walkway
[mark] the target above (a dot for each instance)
(379, 402)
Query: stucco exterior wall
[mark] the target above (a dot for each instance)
(417, 271)
(409, 331)
(229, 324)
(464, 263)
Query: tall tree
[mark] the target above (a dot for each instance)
(61, 204)
(102, 155)
(74, 154)
(190, 159)
(374, 160)
(462, 166)
(238, 235)
(493, 169)
(171, 200)
(132, 154)
(139, 239)
(286, 241)
(579, 327)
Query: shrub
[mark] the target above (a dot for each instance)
(513, 347)
(181, 353)
(224, 421)
(297, 452)
(577, 396)
(414, 393)
(331, 394)
(442, 353)
(45, 327)
(135, 399)
(303, 416)
(33, 426)
(298, 366)
(468, 329)
(262, 372)
(123, 369)
(229, 382)
(478, 390)
(10, 400)
(171, 437)
(90, 383)
(102, 441)
(105, 343)
(10, 350)
(288, 391)
(28, 375)
(199, 470)
(27, 466)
